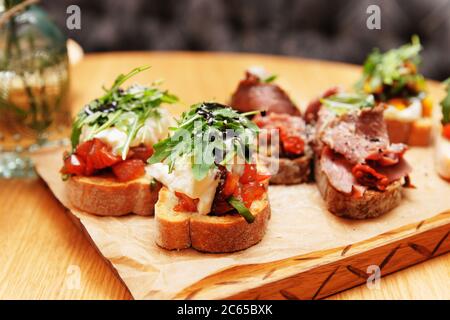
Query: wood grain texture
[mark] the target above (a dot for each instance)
(40, 246)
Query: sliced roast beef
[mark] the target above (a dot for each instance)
(389, 156)
(356, 152)
(338, 170)
(358, 135)
(312, 110)
(293, 136)
(254, 94)
(395, 172)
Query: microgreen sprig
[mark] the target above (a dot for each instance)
(197, 132)
(445, 104)
(342, 103)
(394, 72)
(127, 109)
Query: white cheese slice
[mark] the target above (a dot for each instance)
(181, 179)
(111, 136)
(154, 130)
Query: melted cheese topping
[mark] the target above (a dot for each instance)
(154, 130)
(181, 179)
(442, 158)
(410, 113)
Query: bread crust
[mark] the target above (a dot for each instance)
(414, 133)
(290, 171)
(371, 205)
(105, 196)
(214, 234)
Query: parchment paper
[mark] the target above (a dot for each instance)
(299, 224)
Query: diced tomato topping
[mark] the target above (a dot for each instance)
(185, 203)
(250, 186)
(230, 185)
(294, 145)
(100, 156)
(94, 155)
(291, 144)
(84, 148)
(370, 177)
(251, 174)
(129, 169)
(446, 131)
(73, 165)
(142, 153)
(252, 192)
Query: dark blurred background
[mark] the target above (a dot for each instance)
(333, 30)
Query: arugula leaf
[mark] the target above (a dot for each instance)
(241, 209)
(270, 78)
(394, 72)
(117, 107)
(445, 104)
(204, 123)
(342, 103)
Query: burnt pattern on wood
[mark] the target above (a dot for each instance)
(420, 249)
(418, 243)
(324, 283)
(288, 295)
(440, 243)
(358, 272)
(363, 275)
(389, 257)
(345, 250)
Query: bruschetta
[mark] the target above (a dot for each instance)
(288, 155)
(214, 200)
(112, 138)
(443, 138)
(257, 91)
(358, 171)
(393, 78)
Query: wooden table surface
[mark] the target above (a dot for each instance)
(41, 250)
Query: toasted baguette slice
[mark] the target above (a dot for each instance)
(105, 196)
(414, 133)
(216, 234)
(442, 157)
(290, 171)
(371, 205)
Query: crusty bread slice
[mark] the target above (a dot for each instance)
(105, 196)
(414, 133)
(290, 171)
(371, 205)
(215, 234)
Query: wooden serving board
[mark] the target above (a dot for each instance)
(322, 273)
(306, 272)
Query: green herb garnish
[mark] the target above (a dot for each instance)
(241, 209)
(342, 103)
(445, 104)
(270, 78)
(209, 134)
(393, 73)
(125, 109)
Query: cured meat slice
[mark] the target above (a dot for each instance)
(253, 94)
